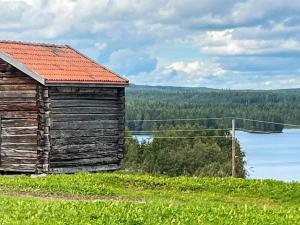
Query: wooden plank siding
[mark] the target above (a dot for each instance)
(18, 112)
(86, 129)
(58, 129)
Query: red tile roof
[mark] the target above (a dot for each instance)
(59, 63)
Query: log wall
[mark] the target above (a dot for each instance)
(86, 129)
(18, 121)
(43, 131)
(58, 129)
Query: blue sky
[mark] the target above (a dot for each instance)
(248, 44)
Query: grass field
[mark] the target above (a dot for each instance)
(125, 198)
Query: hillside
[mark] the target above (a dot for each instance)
(147, 102)
(124, 198)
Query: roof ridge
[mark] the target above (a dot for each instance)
(33, 43)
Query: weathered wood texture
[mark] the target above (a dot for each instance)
(43, 131)
(58, 129)
(18, 127)
(86, 129)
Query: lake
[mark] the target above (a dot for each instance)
(274, 156)
(269, 156)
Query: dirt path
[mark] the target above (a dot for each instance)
(68, 197)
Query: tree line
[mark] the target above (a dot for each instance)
(166, 103)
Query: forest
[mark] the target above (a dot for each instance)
(161, 112)
(167, 103)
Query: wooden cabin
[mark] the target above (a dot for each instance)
(60, 112)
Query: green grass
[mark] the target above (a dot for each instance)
(125, 198)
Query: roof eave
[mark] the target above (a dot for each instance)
(15, 63)
(85, 84)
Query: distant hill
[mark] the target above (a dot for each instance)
(206, 89)
(165, 102)
(169, 88)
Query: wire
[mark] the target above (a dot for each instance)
(168, 120)
(187, 137)
(158, 131)
(254, 131)
(217, 118)
(268, 122)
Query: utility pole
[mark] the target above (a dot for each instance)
(233, 153)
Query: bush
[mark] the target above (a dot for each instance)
(197, 155)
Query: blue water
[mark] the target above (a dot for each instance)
(268, 156)
(274, 156)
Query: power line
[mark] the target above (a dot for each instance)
(215, 118)
(187, 137)
(159, 131)
(268, 122)
(170, 120)
(253, 131)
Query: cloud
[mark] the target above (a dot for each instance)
(180, 73)
(227, 42)
(191, 42)
(196, 69)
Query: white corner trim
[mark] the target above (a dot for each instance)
(7, 58)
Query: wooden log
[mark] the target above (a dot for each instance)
(12, 72)
(84, 103)
(4, 80)
(85, 125)
(43, 143)
(78, 148)
(18, 107)
(120, 155)
(18, 160)
(28, 138)
(45, 92)
(88, 162)
(18, 100)
(19, 153)
(87, 110)
(18, 87)
(83, 117)
(25, 168)
(84, 97)
(81, 90)
(82, 155)
(0, 135)
(19, 114)
(18, 146)
(19, 123)
(19, 131)
(83, 133)
(45, 168)
(109, 167)
(17, 94)
(84, 140)
(84, 148)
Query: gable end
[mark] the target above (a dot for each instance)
(7, 58)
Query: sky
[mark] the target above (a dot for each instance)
(231, 44)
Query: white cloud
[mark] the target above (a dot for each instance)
(130, 35)
(100, 46)
(195, 69)
(227, 42)
(194, 73)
